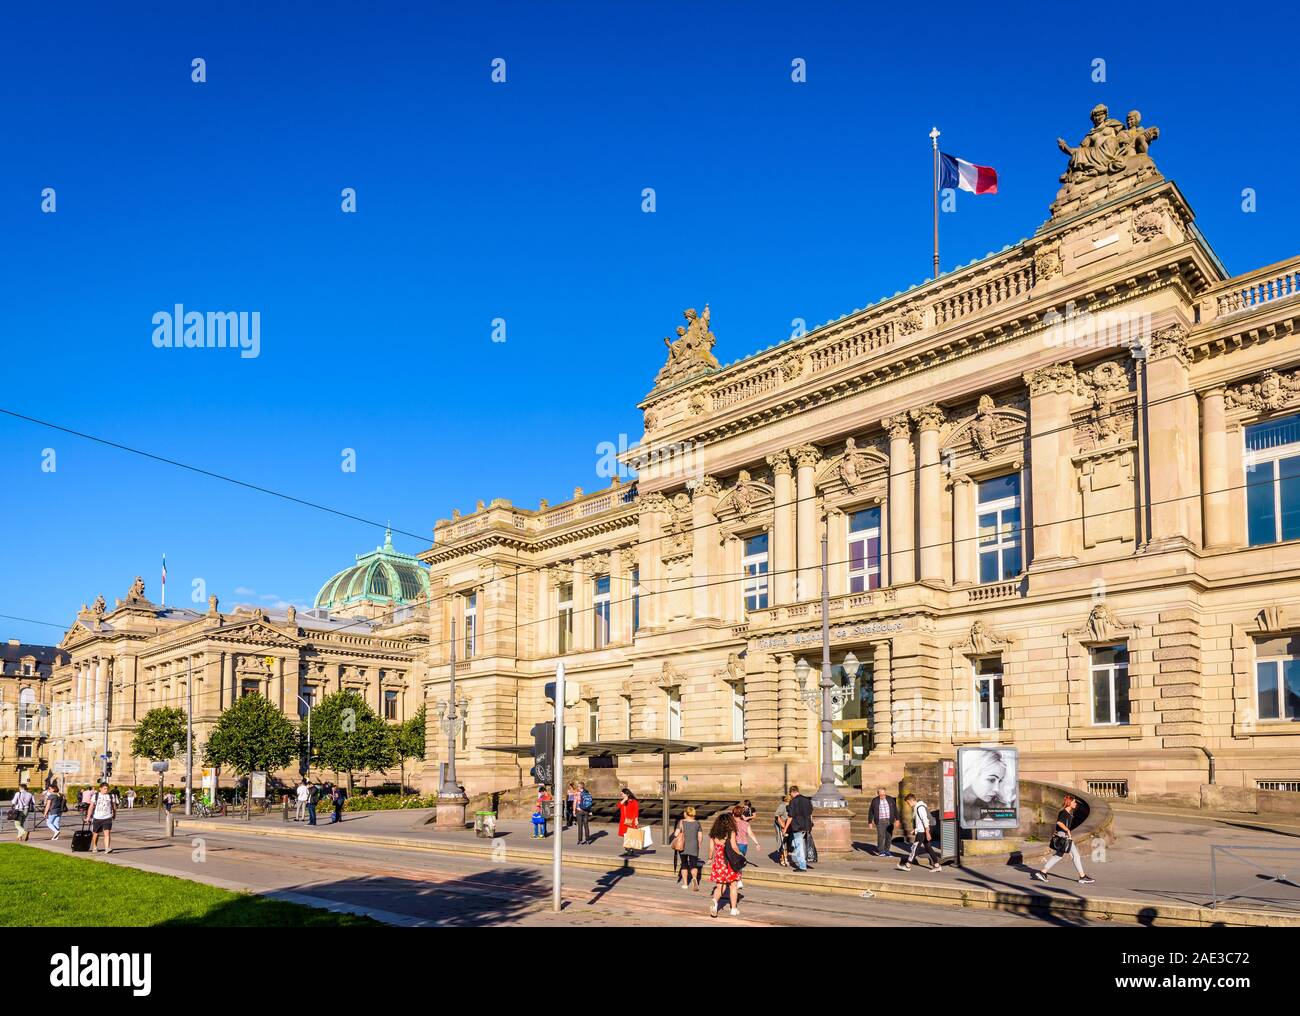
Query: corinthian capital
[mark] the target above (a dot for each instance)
(805, 455)
(1057, 379)
(899, 425)
(779, 463)
(1170, 341)
(708, 486)
(647, 503)
(928, 417)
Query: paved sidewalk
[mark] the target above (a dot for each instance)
(1157, 871)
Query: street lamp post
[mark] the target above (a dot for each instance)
(451, 803)
(828, 794)
(307, 768)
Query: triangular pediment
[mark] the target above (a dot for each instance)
(255, 632)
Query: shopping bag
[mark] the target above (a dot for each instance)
(647, 838)
(632, 839)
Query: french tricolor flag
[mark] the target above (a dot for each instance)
(963, 175)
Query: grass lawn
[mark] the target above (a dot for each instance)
(44, 889)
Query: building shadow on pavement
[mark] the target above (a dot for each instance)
(484, 899)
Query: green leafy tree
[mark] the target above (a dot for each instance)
(408, 739)
(347, 736)
(251, 735)
(158, 735)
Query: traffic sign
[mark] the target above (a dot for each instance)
(158, 767)
(66, 766)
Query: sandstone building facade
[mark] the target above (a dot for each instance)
(368, 633)
(1060, 488)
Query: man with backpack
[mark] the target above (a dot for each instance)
(54, 805)
(313, 799)
(582, 812)
(920, 835)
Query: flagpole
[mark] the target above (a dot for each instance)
(934, 143)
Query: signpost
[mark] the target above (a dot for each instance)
(949, 837)
(257, 785)
(557, 788)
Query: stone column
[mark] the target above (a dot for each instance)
(930, 481)
(964, 532)
(781, 549)
(1214, 470)
(1172, 451)
(650, 549)
(1052, 495)
(706, 565)
(902, 544)
(806, 458)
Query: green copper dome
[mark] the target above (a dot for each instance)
(384, 576)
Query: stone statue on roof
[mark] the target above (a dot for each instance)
(1112, 158)
(136, 592)
(692, 351)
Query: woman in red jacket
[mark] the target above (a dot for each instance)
(629, 815)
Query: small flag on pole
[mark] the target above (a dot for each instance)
(962, 175)
(164, 580)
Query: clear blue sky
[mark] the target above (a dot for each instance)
(519, 201)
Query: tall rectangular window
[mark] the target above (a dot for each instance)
(754, 568)
(593, 719)
(627, 715)
(1110, 686)
(600, 611)
(306, 699)
(988, 694)
(738, 710)
(864, 550)
(636, 598)
(564, 618)
(390, 705)
(250, 686)
(471, 625)
(674, 714)
(1277, 678)
(1273, 481)
(997, 516)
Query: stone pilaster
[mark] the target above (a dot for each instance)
(782, 547)
(930, 483)
(790, 722)
(902, 522)
(706, 553)
(1178, 678)
(1172, 451)
(761, 707)
(918, 702)
(1214, 471)
(806, 458)
(1052, 490)
(965, 553)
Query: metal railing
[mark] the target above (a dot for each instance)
(1108, 788)
(1236, 852)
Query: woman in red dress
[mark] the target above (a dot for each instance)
(629, 815)
(722, 835)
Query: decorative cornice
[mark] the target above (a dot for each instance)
(1273, 390)
(708, 486)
